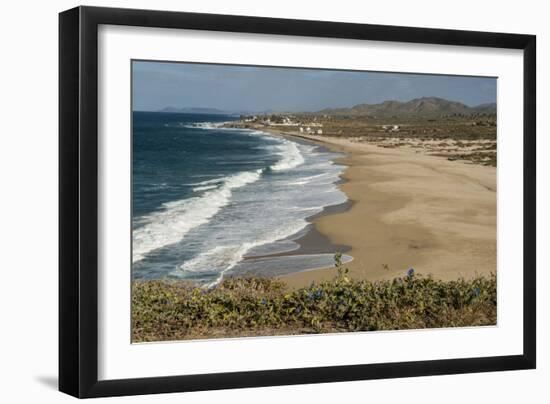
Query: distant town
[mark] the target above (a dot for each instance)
(428, 125)
(287, 121)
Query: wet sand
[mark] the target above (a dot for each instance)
(313, 241)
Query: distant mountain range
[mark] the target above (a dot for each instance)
(421, 107)
(196, 110)
(211, 111)
(425, 107)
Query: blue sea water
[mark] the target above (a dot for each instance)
(206, 200)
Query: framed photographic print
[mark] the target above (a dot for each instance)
(251, 201)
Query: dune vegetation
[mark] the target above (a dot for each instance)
(253, 306)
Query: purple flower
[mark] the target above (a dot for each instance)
(410, 272)
(317, 294)
(476, 292)
(264, 301)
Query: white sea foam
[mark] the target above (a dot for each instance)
(202, 125)
(208, 182)
(204, 188)
(228, 256)
(177, 218)
(291, 156)
(156, 187)
(222, 258)
(312, 178)
(248, 222)
(209, 126)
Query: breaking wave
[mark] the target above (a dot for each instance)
(177, 218)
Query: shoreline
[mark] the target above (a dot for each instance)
(312, 241)
(408, 211)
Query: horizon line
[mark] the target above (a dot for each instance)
(310, 111)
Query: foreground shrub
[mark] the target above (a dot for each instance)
(163, 310)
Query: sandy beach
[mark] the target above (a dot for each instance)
(409, 210)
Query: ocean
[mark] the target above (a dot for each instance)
(210, 202)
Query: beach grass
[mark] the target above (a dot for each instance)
(254, 306)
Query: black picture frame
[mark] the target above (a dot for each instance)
(78, 201)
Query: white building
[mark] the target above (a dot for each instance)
(391, 128)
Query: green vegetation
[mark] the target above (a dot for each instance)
(252, 306)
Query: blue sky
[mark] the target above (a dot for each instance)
(229, 87)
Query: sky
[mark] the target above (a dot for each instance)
(157, 85)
